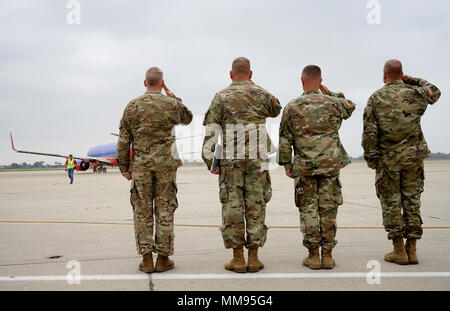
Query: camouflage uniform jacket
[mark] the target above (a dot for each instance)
(241, 104)
(147, 123)
(310, 125)
(392, 133)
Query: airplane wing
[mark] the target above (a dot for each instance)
(186, 137)
(90, 159)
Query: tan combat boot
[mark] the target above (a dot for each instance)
(411, 251)
(398, 255)
(163, 263)
(327, 260)
(313, 259)
(254, 264)
(237, 264)
(146, 264)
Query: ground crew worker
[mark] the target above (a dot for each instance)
(395, 147)
(70, 167)
(148, 123)
(310, 126)
(240, 112)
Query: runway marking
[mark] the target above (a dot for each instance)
(205, 226)
(155, 276)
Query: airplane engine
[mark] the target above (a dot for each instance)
(84, 166)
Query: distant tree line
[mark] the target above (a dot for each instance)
(38, 164)
(434, 156)
(439, 156)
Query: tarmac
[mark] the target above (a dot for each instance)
(57, 236)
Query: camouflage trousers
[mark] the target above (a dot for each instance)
(400, 191)
(153, 197)
(318, 198)
(244, 191)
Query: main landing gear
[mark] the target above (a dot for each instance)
(99, 169)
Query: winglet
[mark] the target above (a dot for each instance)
(12, 142)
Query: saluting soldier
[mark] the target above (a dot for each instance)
(147, 124)
(395, 147)
(310, 126)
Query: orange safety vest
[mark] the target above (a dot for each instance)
(70, 163)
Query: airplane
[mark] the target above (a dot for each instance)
(97, 157)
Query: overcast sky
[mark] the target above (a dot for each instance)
(63, 87)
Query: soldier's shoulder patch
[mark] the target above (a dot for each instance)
(289, 105)
(429, 91)
(264, 91)
(131, 104)
(223, 92)
(375, 97)
(136, 101)
(171, 100)
(295, 102)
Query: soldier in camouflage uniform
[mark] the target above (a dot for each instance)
(310, 126)
(147, 123)
(240, 113)
(394, 145)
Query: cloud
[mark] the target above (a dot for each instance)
(63, 87)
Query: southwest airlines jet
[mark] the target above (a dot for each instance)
(97, 157)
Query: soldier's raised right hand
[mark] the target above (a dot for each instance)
(166, 89)
(324, 89)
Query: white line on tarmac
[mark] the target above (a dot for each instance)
(129, 277)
